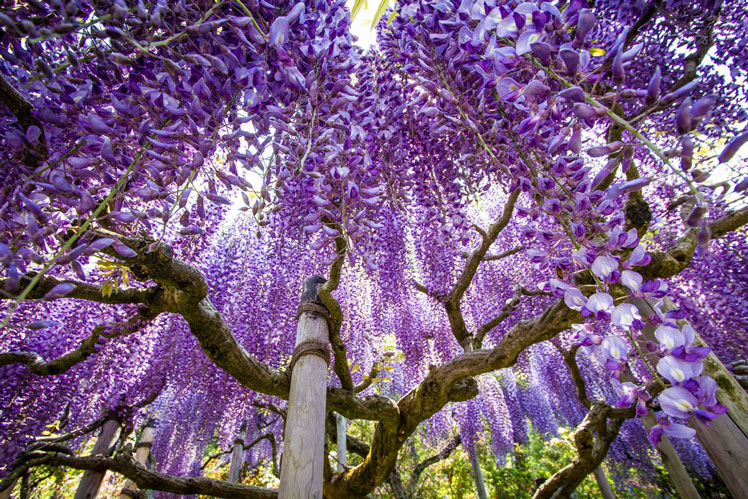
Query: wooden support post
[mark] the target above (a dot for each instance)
(602, 482)
(304, 454)
(237, 453)
(142, 451)
(91, 481)
(727, 447)
(342, 441)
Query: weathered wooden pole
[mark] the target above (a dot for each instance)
(91, 481)
(342, 442)
(602, 482)
(727, 447)
(303, 454)
(142, 451)
(726, 442)
(236, 454)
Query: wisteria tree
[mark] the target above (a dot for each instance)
(521, 209)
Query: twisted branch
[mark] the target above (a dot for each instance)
(125, 465)
(87, 347)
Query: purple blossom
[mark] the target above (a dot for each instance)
(600, 305)
(638, 258)
(632, 280)
(631, 393)
(678, 402)
(613, 353)
(585, 337)
(605, 268)
(669, 428)
(574, 299)
(626, 316)
(678, 371)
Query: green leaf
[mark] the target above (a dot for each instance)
(383, 4)
(355, 367)
(357, 5)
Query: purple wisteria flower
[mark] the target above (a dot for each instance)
(627, 315)
(600, 305)
(678, 371)
(637, 258)
(631, 393)
(669, 428)
(585, 337)
(613, 354)
(679, 402)
(574, 299)
(679, 343)
(606, 268)
(620, 239)
(632, 280)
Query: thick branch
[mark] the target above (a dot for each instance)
(184, 291)
(500, 256)
(336, 314)
(570, 358)
(591, 452)
(506, 311)
(452, 304)
(145, 479)
(678, 257)
(86, 291)
(37, 365)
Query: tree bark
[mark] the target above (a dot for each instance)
(236, 454)
(303, 457)
(602, 481)
(91, 481)
(5, 493)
